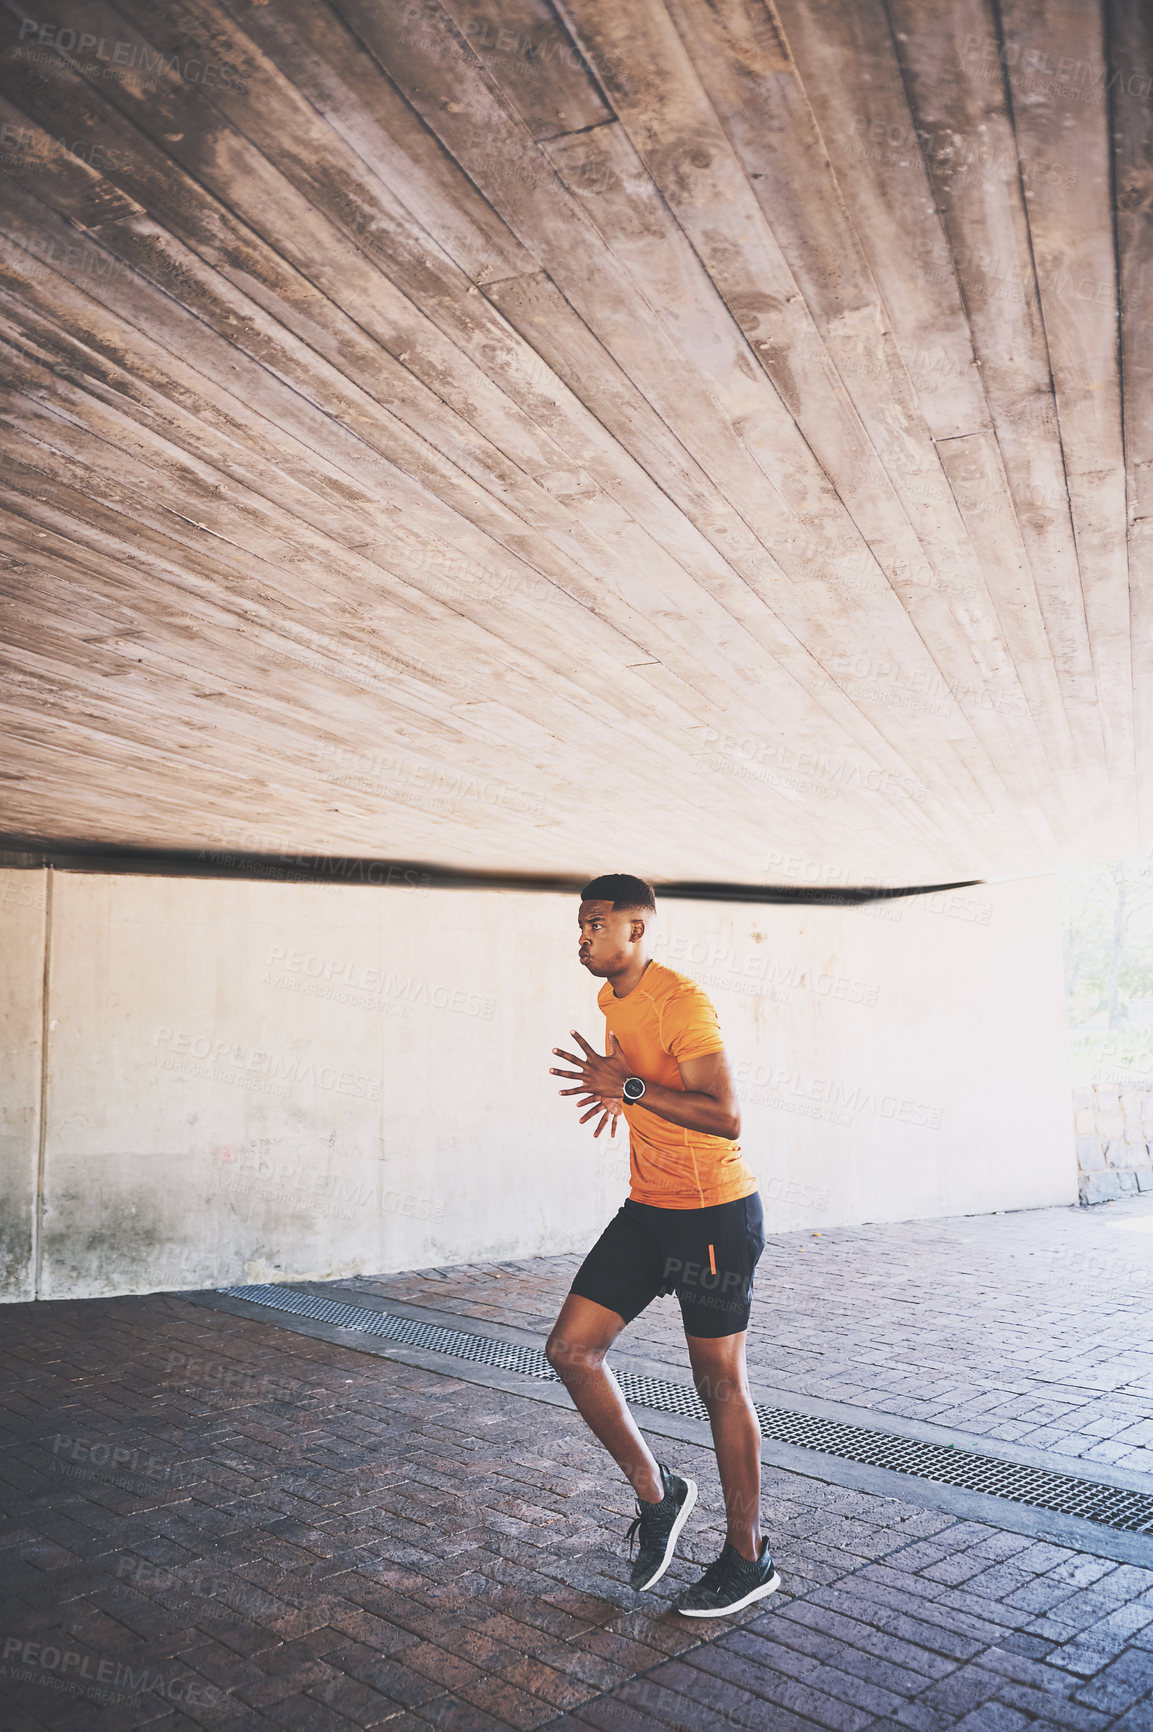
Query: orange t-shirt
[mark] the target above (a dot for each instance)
(665, 1018)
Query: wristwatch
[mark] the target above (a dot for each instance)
(632, 1089)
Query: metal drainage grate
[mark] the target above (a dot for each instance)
(1041, 1488)
(458, 1343)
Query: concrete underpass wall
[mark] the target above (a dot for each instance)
(254, 1081)
(22, 957)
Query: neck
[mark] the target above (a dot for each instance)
(629, 976)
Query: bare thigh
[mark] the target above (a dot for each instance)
(583, 1330)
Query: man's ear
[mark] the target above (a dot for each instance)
(637, 931)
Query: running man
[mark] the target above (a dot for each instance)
(691, 1225)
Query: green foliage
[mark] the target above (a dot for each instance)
(1107, 920)
(1121, 1060)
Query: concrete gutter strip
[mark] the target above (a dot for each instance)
(1072, 1531)
(869, 1418)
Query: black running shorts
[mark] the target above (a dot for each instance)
(705, 1256)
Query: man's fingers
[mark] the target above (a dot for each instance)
(581, 1091)
(588, 1051)
(572, 1057)
(575, 1074)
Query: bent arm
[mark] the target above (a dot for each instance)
(708, 1102)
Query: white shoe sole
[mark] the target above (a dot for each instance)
(674, 1536)
(769, 1587)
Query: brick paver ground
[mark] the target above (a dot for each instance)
(217, 1522)
(1034, 1327)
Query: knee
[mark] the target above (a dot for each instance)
(706, 1387)
(718, 1384)
(567, 1356)
(559, 1353)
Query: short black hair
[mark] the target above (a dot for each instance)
(621, 889)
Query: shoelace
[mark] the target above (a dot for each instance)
(712, 1576)
(640, 1516)
(715, 1573)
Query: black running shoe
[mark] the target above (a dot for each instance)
(660, 1527)
(730, 1584)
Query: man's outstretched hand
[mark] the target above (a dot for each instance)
(600, 1080)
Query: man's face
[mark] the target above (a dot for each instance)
(606, 937)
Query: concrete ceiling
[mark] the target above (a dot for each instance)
(703, 437)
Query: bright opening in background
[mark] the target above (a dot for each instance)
(1107, 918)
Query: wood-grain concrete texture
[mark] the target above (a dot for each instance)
(579, 404)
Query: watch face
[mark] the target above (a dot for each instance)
(633, 1088)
